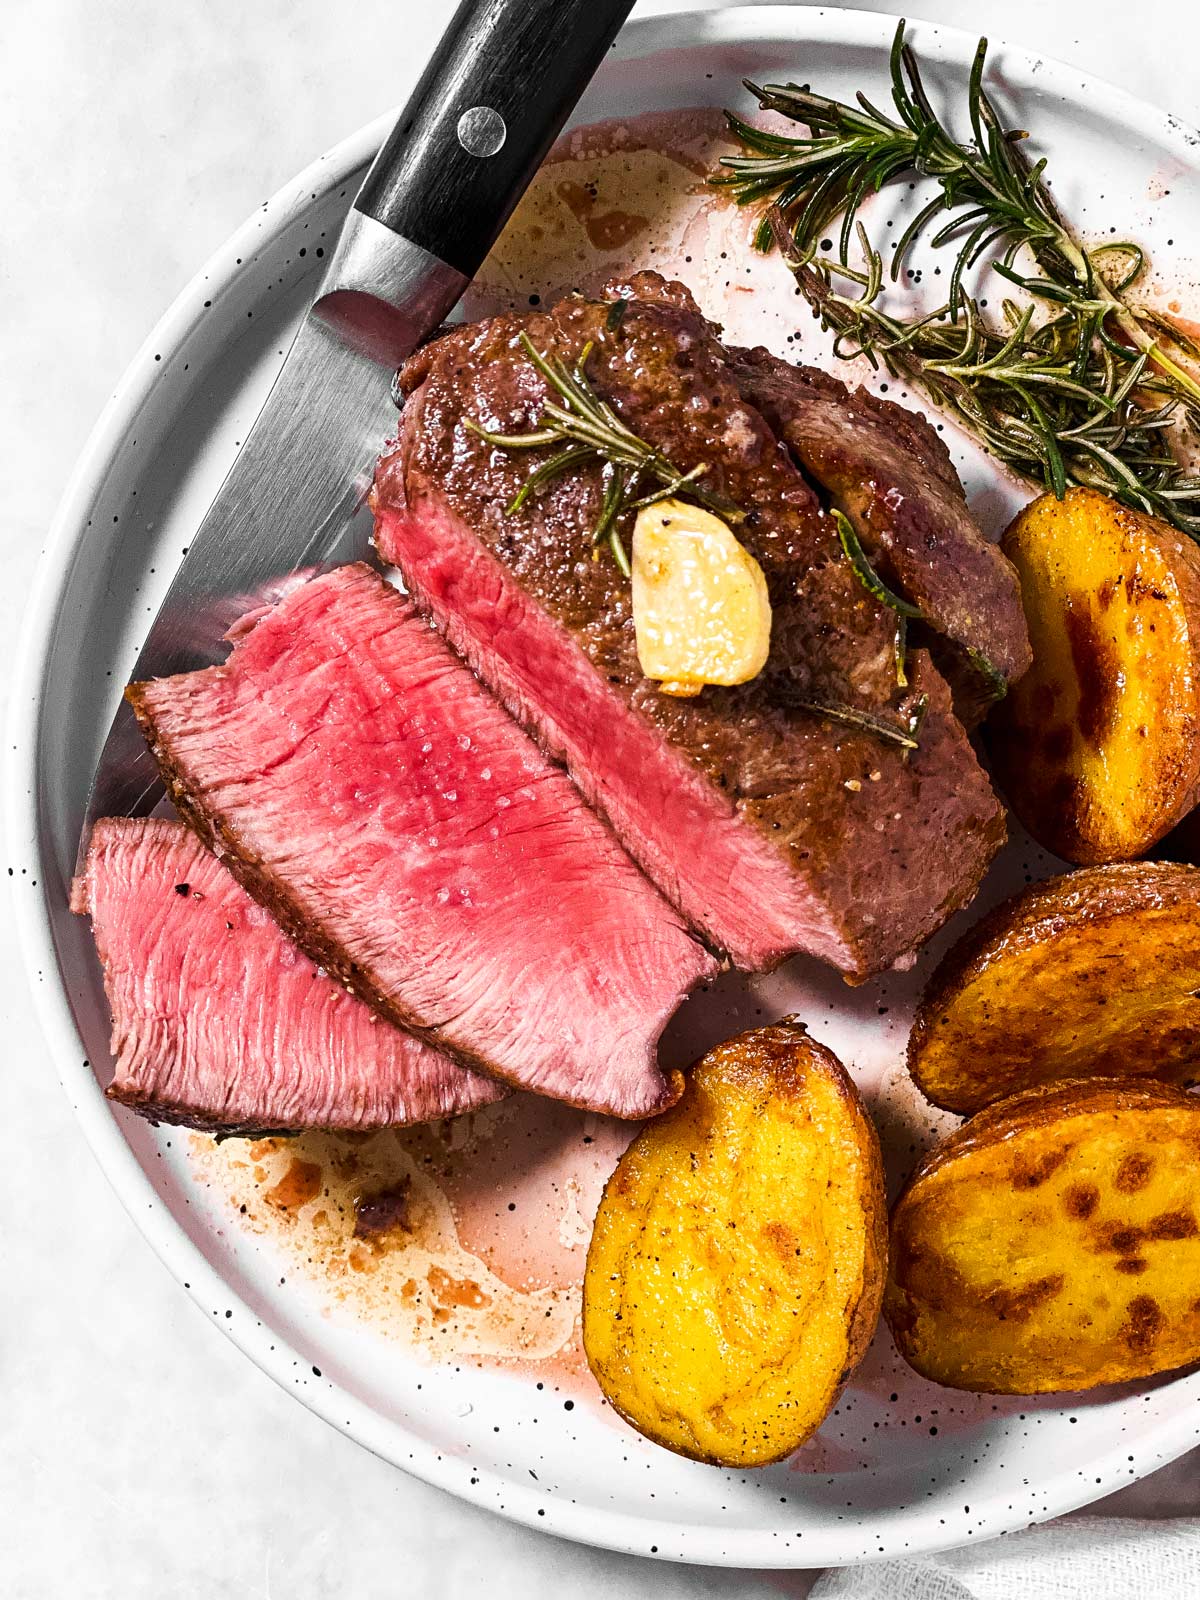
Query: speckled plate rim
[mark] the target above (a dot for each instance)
(679, 1541)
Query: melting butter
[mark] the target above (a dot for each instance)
(700, 608)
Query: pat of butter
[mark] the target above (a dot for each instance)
(700, 607)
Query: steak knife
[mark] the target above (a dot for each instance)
(496, 93)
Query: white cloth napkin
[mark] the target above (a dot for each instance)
(1081, 1558)
(1142, 1543)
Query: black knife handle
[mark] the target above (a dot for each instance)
(489, 105)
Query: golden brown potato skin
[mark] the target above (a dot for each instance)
(1097, 747)
(1091, 974)
(736, 1267)
(1052, 1242)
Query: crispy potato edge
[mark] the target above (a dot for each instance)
(1046, 1103)
(1091, 895)
(1177, 788)
(1025, 1112)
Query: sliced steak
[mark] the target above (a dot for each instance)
(415, 843)
(220, 1023)
(892, 475)
(772, 828)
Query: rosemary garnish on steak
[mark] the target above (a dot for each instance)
(865, 572)
(1076, 384)
(878, 590)
(889, 732)
(590, 431)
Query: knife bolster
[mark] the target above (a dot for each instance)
(381, 293)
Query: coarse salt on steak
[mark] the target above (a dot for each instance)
(413, 841)
(220, 1023)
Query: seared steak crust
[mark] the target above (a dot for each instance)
(891, 473)
(773, 829)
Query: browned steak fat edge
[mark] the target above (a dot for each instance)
(892, 475)
(404, 832)
(219, 1023)
(773, 830)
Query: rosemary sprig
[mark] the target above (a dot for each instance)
(878, 590)
(1063, 402)
(852, 151)
(590, 430)
(1079, 385)
(995, 684)
(865, 722)
(865, 572)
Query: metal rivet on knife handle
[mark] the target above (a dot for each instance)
(481, 131)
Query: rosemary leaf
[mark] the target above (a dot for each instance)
(906, 738)
(618, 551)
(878, 590)
(916, 719)
(610, 505)
(995, 683)
(902, 652)
(865, 572)
(616, 315)
(546, 473)
(591, 432)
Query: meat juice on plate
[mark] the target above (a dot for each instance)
(458, 1239)
(467, 1239)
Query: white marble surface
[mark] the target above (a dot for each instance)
(140, 1454)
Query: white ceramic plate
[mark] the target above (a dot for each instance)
(902, 1465)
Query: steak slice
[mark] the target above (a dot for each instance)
(774, 829)
(892, 475)
(220, 1023)
(416, 844)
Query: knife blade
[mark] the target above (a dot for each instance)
(495, 94)
(287, 505)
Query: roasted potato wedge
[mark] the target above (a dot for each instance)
(1095, 973)
(1052, 1243)
(736, 1267)
(1097, 747)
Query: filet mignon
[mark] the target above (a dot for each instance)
(772, 828)
(220, 1023)
(404, 831)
